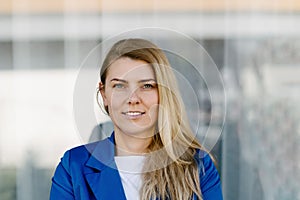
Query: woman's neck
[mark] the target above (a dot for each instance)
(131, 145)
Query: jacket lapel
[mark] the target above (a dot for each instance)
(104, 179)
(106, 185)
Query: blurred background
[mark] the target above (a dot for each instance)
(255, 45)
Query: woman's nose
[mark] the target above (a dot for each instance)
(134, 97)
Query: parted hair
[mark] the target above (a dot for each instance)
(170, 170)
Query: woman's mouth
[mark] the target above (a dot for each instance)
(133, 114)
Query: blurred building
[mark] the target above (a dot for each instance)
(255, 45)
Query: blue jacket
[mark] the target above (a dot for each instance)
(89, 172)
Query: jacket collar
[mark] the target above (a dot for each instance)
(103, 154)
(104, 179)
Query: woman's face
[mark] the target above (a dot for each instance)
(131, 95)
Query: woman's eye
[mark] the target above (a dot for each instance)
(148, 86)
(118, 85)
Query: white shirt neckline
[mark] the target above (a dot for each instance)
(130, 170)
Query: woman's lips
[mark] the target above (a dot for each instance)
(133, 114)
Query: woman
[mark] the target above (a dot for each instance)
(152, 152)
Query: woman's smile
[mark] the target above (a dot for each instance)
(133, 114)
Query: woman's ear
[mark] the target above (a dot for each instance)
(102, 91)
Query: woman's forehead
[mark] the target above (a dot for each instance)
(130, 68)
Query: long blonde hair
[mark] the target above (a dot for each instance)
(171, 171)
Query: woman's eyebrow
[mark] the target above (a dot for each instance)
(117, 79)
(140, 81)
(147, 80)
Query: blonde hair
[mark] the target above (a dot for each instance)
(172, 172)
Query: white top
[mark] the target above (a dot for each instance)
(130, 170)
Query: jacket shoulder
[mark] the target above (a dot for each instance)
(79, 154)
(209, 177)
(83, 149)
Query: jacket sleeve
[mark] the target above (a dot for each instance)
(210, 180)
(61, 182)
